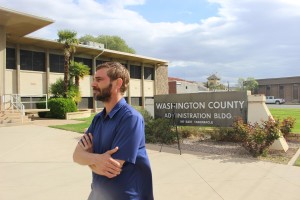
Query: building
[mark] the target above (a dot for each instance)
(286, 87)
(180, 86)
(213, 80)
(29, 65)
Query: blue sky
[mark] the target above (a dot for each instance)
(233, 38)
(191, 11)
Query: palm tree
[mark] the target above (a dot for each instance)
(78, 71)
(68, 38)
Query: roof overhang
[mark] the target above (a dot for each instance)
(87, 50)
(18, 24)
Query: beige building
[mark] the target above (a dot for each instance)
(213, 80)
(28, 65)
(180, 86)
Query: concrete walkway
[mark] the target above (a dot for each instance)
(36, 164)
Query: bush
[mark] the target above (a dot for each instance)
(257, 138)
(146, 115)
(188, 131)
(225, 134)
(57, 89)
(160, 131)
(286, 126)
(185, 133)
(60, 106)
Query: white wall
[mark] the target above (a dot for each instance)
(10, 82)
(149, 88)
(135, 88)
(85, 86)
(32, 82)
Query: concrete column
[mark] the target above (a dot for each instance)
(18, 69)
(47, 66)
(155, 79)
(258, 111)
(143, 86)
(128, 90)
(2, 65)
(94, 70)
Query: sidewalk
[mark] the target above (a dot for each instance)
(36, 164)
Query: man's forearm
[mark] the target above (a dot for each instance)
(82, 157)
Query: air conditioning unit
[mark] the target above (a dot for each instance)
(94, 44)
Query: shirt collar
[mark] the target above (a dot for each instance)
(116, 108)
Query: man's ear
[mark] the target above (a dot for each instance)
(119, 83)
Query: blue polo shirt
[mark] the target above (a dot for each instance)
(122, 127)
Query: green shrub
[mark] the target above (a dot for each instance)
(188, 131)
(147, 116)
(60, 106)
(225, 134)
(160, 131)
(185, 133)
(57, 90)
(287, 125)
(257, 138)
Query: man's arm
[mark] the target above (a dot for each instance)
(102, 164)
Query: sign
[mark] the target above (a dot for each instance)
(218, 109)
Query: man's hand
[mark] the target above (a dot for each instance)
(105, 165)
(86, 142)
(102, 164)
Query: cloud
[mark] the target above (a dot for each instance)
(247, 38)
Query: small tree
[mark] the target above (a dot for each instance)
(68, 38)
(110, 42)
(249, 84)
(78, 71)
(57, 90)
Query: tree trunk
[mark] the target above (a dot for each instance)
(66, 76)
(77, 81)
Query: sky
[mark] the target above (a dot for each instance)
(232, 39)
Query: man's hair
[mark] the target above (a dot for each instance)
(116, 70)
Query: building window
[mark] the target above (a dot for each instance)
(135, 72)
(281, 91)
(99, 62)
(56, 63)
(295, 92)
(10, 58)
(32, 60)
(268, 90)
(149, 73)
(86, 102)
(136, 101)
(85, 61)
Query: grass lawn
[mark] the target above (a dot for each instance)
(282, 113)
(297, 163)
(277, 113)
(77, 127)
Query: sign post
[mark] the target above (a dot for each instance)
(174, 123)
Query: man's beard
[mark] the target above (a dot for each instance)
(104, 94)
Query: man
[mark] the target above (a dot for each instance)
(114, 144)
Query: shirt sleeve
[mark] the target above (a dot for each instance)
(129, 137)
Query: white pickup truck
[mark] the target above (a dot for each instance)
(272, 99)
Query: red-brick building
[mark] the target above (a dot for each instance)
(286, 87)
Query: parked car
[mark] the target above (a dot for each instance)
(272, 99)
